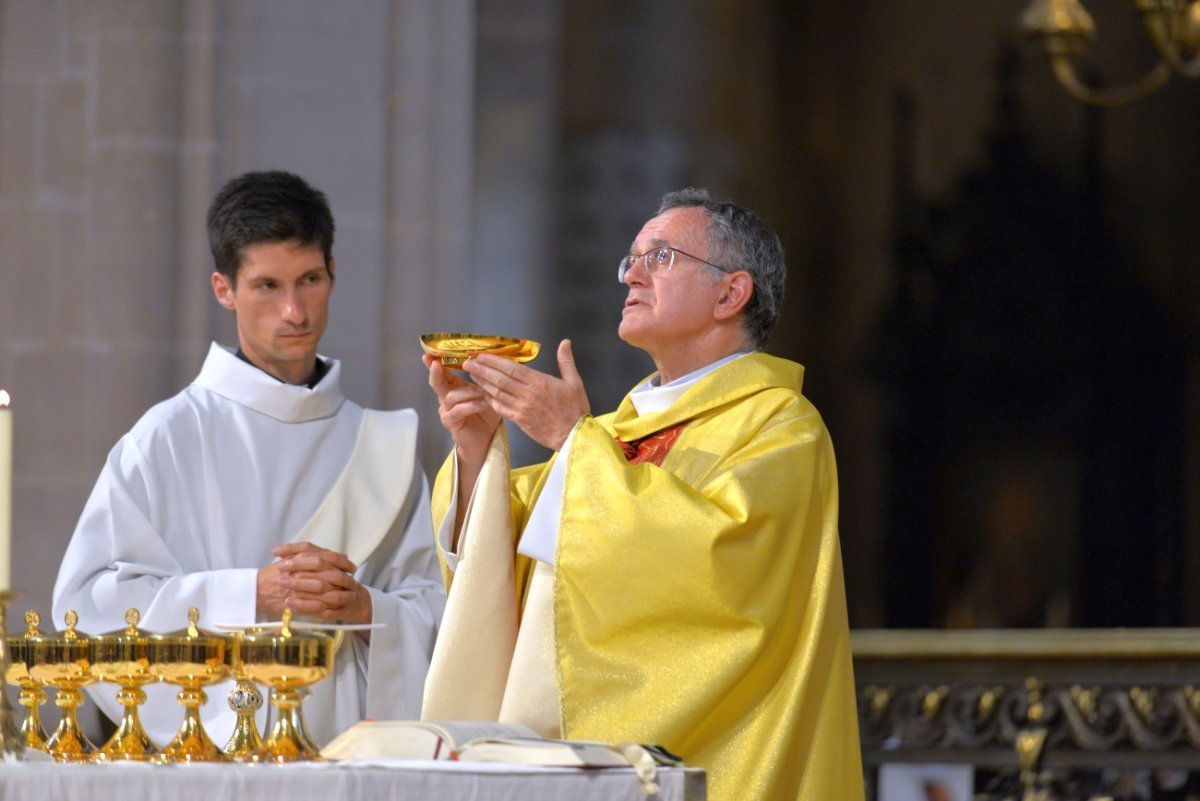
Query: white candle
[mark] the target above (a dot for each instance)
(5, 492)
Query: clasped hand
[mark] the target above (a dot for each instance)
(314, 582)
(544, 407)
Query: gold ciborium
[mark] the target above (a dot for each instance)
(123, 657)
(288, 662)
(191, 659)
(63, 663)
(245, 700)
(33, 693)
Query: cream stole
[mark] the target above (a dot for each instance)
(490, 661)
(359, 510)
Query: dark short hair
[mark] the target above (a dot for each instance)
(738, 239)
(259, 207)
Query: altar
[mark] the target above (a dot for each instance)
(410, 780)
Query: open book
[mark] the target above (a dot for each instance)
(575, 753)
(415, 739)
(489, 741)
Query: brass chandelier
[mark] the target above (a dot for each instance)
(1065, 28)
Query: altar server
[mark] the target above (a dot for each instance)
(677, 575)
(261, 486)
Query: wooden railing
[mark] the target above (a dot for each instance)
(1037, 712)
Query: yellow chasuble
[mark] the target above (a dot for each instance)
(700, 605)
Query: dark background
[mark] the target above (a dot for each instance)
(992, 287)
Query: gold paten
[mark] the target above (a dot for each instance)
(33, 694)
(63, 662)
(123, 658)
(287, 662)
(454, 349)
(245, 700)
(191, 659)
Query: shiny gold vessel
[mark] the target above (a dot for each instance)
(288, 662)
(245, 699)
(123, 658)
(191, 659)
(33, 694)
(453, 348)
(64, 662)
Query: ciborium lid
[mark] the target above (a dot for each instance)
(286, 657)
(127, 633)
(17, 648)
(189, 655)
(54, 657)
(122, 655)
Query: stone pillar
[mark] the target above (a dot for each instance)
(427, 270)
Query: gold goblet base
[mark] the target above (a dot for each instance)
(69, 743)
(192, 743)
(32, 697)
(130, 740)
(245, 742)
(289, 740)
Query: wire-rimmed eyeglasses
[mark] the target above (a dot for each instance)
(659, 259)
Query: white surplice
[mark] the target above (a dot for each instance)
(192, 500)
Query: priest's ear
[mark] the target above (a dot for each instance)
(734, 296)
(222, 286)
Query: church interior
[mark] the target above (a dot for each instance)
(992, 285)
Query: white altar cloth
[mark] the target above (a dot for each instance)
(410, 780)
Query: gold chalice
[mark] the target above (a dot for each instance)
(453, 349)
(123, 657)
(33, 694)
(288, 662)
(63, 663)
(192, 659)
(245, 699)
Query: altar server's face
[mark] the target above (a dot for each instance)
(281, 301)
(670, 309)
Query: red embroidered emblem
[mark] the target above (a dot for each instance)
(652, 449)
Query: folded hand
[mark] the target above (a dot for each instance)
(314, 582)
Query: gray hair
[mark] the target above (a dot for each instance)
(738, 239)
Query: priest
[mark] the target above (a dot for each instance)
(673, 574)
(261, 487)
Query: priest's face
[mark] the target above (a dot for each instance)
(669, 310)
(281, 301)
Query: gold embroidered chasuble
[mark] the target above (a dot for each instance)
(700, 605)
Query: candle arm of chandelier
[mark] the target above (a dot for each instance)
(1064, 28)
(1064, 70)
(1188, 68)
(1174, 32)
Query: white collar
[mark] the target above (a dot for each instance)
(226, 375)
(648, 397)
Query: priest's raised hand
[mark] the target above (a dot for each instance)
(546, 408)
(464, 411)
